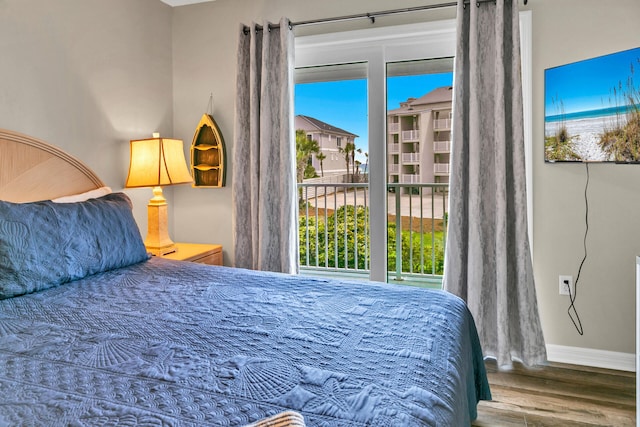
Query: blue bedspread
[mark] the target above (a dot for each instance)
(181, 344)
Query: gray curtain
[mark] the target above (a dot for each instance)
(488, 260)
(264, 191)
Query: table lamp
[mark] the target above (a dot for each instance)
(157, 162)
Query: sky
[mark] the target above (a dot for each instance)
(588, 85)
(343, 104)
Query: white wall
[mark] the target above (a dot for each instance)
(204, 43)
(88, 76)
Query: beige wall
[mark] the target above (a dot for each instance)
(88, 76)
(205, 38)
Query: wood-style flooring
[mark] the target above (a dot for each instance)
(558, 395)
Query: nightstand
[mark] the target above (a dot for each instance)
(196, 252)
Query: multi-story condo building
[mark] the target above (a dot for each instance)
(419, 139)
(331, 140)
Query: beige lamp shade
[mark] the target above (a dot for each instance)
(157, 162)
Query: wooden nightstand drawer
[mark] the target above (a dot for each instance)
(196, 252)
(211, 259)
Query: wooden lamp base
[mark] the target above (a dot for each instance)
(158, 241)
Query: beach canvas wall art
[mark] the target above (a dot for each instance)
(592, 110)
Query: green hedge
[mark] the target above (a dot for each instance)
(350, 225)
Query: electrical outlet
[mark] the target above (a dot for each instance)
(565, 283)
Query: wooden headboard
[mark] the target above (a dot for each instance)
(32, 170)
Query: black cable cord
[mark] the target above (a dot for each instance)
(572, 311)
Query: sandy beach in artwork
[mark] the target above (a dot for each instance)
(586, 133)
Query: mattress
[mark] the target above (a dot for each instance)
(170, 343)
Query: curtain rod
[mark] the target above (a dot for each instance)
(373, 15)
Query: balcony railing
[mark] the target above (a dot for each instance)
(410, 179)
(394, 148)
(394, 169)
(410, 158)
(442, 124)
(441, 146)
(410, 135)
(393, 127)
(441, 168)
(334, 230)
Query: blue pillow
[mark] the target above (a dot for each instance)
(45, 244)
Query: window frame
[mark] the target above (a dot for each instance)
(378, 46)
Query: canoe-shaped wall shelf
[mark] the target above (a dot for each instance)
(208, 160)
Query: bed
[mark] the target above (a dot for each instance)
(93, 331)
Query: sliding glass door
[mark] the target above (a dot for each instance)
(419, 107)
(344, 228)
(395, 228)
(332, 153)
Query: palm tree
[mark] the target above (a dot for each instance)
(321, 156)
(355, 162)
(352, 148)
(305, 148)
(366, 165)
(343, 150)
(349, 154)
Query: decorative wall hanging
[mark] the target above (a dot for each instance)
(208, 160)
(592, 110)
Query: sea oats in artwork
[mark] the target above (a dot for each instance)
(592, 110)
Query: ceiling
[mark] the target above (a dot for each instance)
(183, 2)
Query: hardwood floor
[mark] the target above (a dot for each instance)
(558, 395)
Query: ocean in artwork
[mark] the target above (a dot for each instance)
(593, 102)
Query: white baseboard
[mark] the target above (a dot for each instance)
(591, 357)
